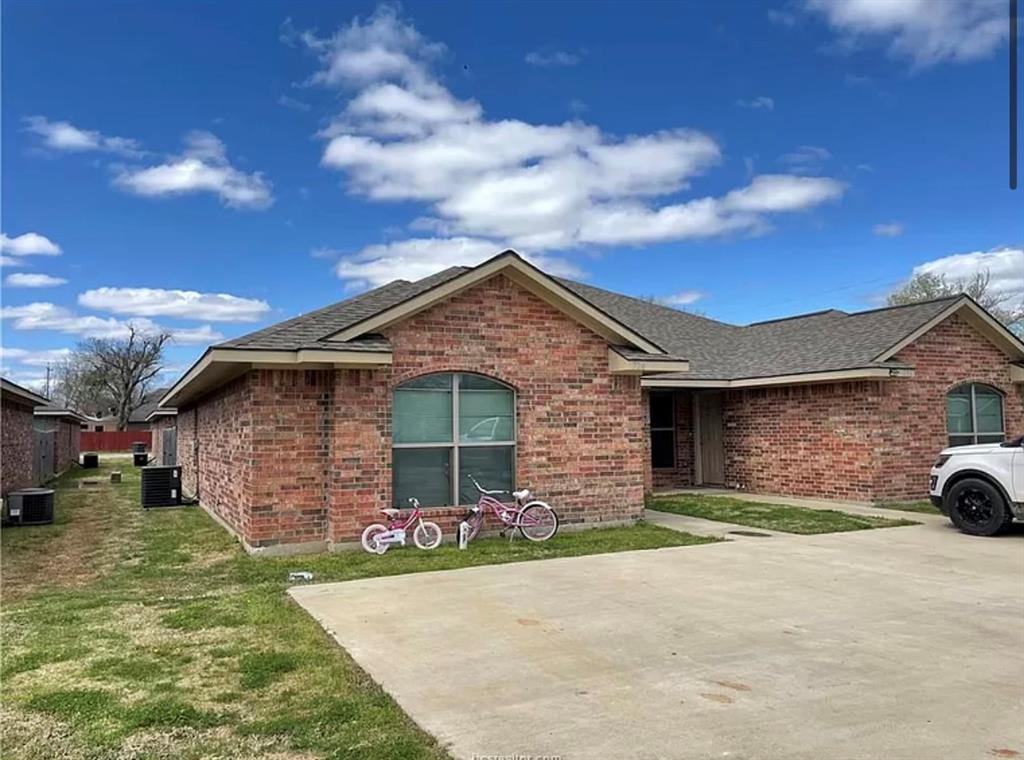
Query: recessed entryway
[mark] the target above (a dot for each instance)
(709, 439)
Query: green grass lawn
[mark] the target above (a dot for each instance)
(923, 506)
(152, 635)
(769, 516)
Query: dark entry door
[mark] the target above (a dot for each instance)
(712, 448)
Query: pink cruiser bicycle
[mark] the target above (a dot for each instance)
(378, 538)
(534, 519)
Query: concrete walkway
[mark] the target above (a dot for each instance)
(853, 507)
(890, 644)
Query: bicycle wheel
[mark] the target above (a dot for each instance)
(427, 535)
(475, 520)
(538, 521)
(369, 539)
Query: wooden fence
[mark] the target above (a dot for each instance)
(115, 440)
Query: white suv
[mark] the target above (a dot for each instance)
(980, 487)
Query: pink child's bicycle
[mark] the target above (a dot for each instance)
(378, 538)
(534, 519)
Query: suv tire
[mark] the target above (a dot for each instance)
(977, 507)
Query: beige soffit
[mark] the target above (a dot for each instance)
(220, 365)
(831, 376)
(7, 387)
(621, 365)
(977, 317)
(1016, 373)
(526, 275)
(164, 411)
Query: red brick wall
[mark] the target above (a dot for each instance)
(17, 446)
(871, 441)
(804, 440)
(222, 465)
(290, 454)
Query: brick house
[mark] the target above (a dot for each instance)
(66, 426)
(294, 435)
(18, 438)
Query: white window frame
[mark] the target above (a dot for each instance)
(455, 444)
(973, 435)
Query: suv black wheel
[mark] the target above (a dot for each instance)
(976, 507)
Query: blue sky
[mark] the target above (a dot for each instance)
(210, 168)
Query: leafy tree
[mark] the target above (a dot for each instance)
(112, 374)
(1007, 307)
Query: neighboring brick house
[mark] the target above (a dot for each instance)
(17, 456)
(293, 436)
(66, 426)
(163, 426)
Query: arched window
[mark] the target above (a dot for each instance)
(445, 428)
(974, 414)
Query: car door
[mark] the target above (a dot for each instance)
(1017, 475)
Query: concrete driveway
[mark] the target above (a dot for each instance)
(898, 644)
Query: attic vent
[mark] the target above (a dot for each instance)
(161, 486)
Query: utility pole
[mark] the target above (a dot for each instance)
(47, 393)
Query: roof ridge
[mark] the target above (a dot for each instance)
(661, 306)
(797, 316)
(955, 297)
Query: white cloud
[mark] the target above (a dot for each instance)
(202, 168)
(184, 304)
(294, 103)
(28, 244)
(926, 32)
(760, 102)
(1005, 266)
(888, 229)
(419, 257)
(11, 261)
(64, 136)
(25, 280)
(682, 298)
(490, 184)
(30, 358)
(554, 58)
(807, 159)
(48, 316)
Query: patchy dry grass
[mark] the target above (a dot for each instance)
(134, 634)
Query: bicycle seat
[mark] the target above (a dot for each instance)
(389, 511)
(521, 495)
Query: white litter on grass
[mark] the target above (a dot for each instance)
(300, 575)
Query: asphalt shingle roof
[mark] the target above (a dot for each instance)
(822, 341)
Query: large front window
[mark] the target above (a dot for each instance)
(447, 427)
(974, 414)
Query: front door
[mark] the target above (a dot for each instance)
(711, 449)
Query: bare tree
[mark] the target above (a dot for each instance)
(112, 373)
(1007, 307)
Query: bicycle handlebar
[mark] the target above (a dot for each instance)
(414, 501)
(480, 488)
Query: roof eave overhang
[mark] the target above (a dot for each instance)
(168, 411)
(22, 394)
(221, 365)
(631, 365)
(831, 376)
(522, 273)
(60, 414)
(977, 317)
(1017, 373)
